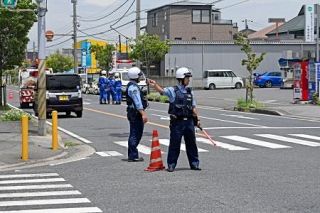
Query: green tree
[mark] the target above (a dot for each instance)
(14, 28)
(252, 62)
(59, 62)
(103, 55)
(149, 49)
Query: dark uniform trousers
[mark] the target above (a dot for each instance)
(136, 131)
(179, 128)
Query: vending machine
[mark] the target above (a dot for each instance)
(311, 79)
(300, 85)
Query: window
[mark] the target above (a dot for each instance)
(205, 16)
(193, 38)
(200, 16)
(165, 16)
(154, 20)
(177, 38)
(163, 28)
(196, 16)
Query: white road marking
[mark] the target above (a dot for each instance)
(50, 186)
(28, 175)
(60, 210)
(260, 127)
(306, 136)
(162, 117)
(86, 103)
(74, 135)
(240, 116)
(44, 202)
(269, 101)
(255, 142)
(32, 181)
(40, 194)
(227, 121)
(141, 148)
(109, 153)
(166, 142)
(223, 145)
(289, 140)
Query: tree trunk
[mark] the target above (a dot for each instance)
(251, 88)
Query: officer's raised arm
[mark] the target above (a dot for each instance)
(156, 86)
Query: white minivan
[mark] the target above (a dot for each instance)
(221, 79)
(123, 74)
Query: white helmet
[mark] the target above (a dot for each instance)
(183, 72)
(116, 75)
(134, 73)
(103, 72)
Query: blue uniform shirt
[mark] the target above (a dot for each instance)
(134, 93)
(169, 91)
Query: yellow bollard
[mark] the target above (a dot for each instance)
(54, 130)
(25, 142)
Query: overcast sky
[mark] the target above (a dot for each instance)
(59, 15)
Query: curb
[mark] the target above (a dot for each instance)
(77, 153)
(260, 111)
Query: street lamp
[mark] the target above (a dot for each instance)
(42, 108)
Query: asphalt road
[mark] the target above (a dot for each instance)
(262, 163)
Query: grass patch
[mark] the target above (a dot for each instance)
(242, 104)
(13, 115)
(154, 96)
(68, 144)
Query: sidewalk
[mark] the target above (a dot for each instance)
(40, 152)
(308, 111)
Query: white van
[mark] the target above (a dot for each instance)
(221, 79)
(123, 74)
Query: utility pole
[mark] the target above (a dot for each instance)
(246, 23)
(42, 108)
(75, 58)
(138, 9)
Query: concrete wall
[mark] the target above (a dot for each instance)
(200, 56)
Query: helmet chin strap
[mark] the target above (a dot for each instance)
(181, 81)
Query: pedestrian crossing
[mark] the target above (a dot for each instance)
(234, 143)
(39, 193)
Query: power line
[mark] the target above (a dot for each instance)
(53, 45)
(232, 5)
(123, 15)
(105, 16)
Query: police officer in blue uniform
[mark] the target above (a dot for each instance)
(102, 84)
(117, 88)
(110, 88)
(183, 119)
(137, 103)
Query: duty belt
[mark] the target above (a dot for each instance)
(173, 117)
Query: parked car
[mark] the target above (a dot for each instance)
(221, 79)
(268, 79)
(63, 94)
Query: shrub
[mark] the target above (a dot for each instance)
(13, 115)
(153, 96)
(241, 103)
(164, 99)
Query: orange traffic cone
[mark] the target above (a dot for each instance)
(155, 157)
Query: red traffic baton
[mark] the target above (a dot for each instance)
(208, 136)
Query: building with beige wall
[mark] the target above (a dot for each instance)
(189, 21)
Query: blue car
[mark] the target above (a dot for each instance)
(268, 79)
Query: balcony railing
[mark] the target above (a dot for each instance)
(222, 21)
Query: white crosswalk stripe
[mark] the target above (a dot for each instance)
(228, 144)
(306, 136)
(109, 153)
(289, 140)
(18, 186)
(255, 142)
(166, 142)
(141, 148)
(223, 145)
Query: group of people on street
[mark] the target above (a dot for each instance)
(110, 88)
(183, 117)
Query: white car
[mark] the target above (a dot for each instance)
(221, 79)
(123, 74)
